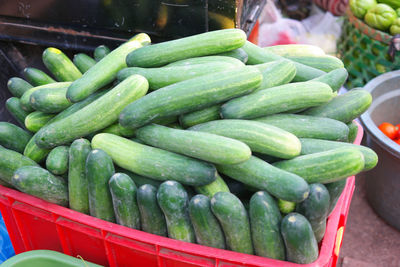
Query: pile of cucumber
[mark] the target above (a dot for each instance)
(131, 135)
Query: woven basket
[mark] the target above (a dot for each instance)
(364, 51)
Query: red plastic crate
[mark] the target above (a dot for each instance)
(36, 224)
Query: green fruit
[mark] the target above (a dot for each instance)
(360, 7)
(380, 17)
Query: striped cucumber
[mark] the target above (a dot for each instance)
(13, 105)
(50, 100)
(276, 73)
(295, 50)
(36, 120)
(37, 77)
(238, 53)
(10, 161)
(13, 137)
(325, 63)
(117, 129)
(83, 62)
(57, 160)
(18, 86)
(335, 78)
(200, 116)
(211, 189)
(206, 60)
(353, 131)
(190, 95)
(100, 52)
(60, 65)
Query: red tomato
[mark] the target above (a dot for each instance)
(397, 141)
(388, 129)
(398, 131)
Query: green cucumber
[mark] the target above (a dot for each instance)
(353, 131)
(325, 63)
(57, 160)
(83, 62)
(234, 220)
(276, 73)
(123, 192)
(200, 116)
(206, 60)
(77, 182)
(173, 201)
(13, 105)
(325, 167)
(60, 65)
(304, 126)
(154, 162)
(101, 74)
(37, 77)
(36, 120)
(100, 52)
(263, 176)
(277, 99)
(295, 50)
(286, 207)
(310, 146)
(260, 137)
(175, 125)
(117, 129)
(206, 226)
(335, 78)
(10, 161)
(18, 86)
(190, 95)
(98, 170)
(34, 152)
(238, 53)
(40, 183)
(205, 146)
(335, 191)
(211, 189)
(161, 77)
(151, 216)
(315, 208)
(265, 220)
(138, 179)
(13, 137)
(26, 97)
(344, 107)
(301, 245)
(50, 100)
(203, 44)
(97, 115)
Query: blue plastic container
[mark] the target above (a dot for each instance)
(6, 248)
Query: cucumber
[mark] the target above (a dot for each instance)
(151, 216)
(161, 77)
(154, 162)
(345, 107)
(98, 170)
(277, 99)
(211, 189)
(10, 161)
(60, 65)
(166, 120)
(102, 73)
(34, 152)
(258, 55)
(200, 116)
(100, 52)
(57, 160)
(325, 167)
(173, 201)
(206, 60)
(260, 137)
(304, 126)
(123, 192)
(238, 53)
(295, 50)
(353, 131)
(190, 95)
(18, 86)
(276, 73)
(315, 208)
(117, 129)
(203, 44)
(206, 226)
(83, 62)
(13, 137)
(286, 207)
(37, 77)
(26, 97)
(234, 220)
(77, 182)
(335, 191)
(301, 245)
(40, 183)
(138, 179)
(335, 78)
(87, 119)
(325, 63)
(50, 100)
(263, 176)
(265, 220)
(36, 120)
(13, 105)
(205, 146)
(310, 146)
(175, 125)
